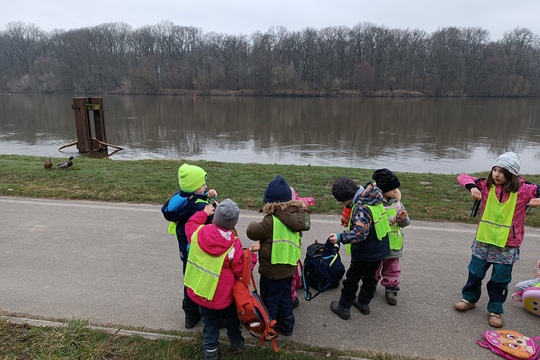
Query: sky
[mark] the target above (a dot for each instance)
(236, 17)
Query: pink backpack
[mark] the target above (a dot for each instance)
(530, 298)
(510, 344)
(297, 280)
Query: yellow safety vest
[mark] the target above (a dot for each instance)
(395, 236)
(496, 221)
(380, 221)
(202, 269)
(286, 244)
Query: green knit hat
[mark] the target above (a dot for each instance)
(191, 177)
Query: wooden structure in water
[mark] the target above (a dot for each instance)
(89, 118)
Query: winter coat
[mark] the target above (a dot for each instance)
(526, 192)
(365, 245)
(293, 215)
(182, 215)
(215, 241)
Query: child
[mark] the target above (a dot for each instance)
(366, 238)
(279, 234)
(505, 196)
(522, 285)
(389, 270)
(192, 197)
(215, 249)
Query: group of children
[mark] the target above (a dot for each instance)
(373, 216)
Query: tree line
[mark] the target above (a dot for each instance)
(366, 59)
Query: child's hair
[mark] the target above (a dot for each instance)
(512, 185)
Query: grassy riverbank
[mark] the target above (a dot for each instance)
(434, 197)
(426, 196)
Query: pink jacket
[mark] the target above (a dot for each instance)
(526, 192)
(213, 242)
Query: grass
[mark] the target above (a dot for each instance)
(433, 197)
(77, 340)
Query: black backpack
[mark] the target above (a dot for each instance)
(323, 268)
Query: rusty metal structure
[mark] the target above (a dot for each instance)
(89, 118)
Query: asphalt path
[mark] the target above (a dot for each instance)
(115, 264)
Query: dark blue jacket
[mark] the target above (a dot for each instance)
(181, 216)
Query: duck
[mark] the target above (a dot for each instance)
(48, 164)
(66, 164)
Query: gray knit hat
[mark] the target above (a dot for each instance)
(226, 214)
(509, 161)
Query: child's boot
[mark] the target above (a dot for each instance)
(340, 311)
(212, 354)
(390, 294)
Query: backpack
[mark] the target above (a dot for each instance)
(250, 308)
(530, 298)
(323, 268)
(510, 344)
(297, 280)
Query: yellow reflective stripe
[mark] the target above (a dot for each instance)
(209, 272)
(289, 242)
(495, 224)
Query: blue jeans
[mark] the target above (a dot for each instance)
(497, 286)
(211, 319)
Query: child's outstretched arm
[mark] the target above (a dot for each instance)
(476, 194)
(535, 202)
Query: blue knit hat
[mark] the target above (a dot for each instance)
(277, 191)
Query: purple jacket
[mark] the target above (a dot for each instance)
(526, 192)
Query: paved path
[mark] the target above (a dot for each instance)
(115, 264)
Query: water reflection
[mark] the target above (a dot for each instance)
(416, 135)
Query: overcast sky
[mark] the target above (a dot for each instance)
(247, 16)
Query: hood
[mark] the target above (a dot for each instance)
(371, 195)
(271, 208)
(291, 213)
(215, 241)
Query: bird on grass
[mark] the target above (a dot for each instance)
(48, 164)
(66, 164)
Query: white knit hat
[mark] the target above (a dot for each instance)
(509, 161)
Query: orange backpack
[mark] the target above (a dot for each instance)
(250, 308)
